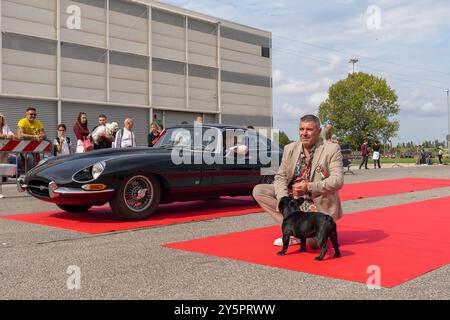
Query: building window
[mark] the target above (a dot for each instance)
(265, 52)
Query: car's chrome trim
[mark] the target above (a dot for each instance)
(21, 186)
(74, 191)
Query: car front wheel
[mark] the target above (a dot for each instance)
(137, 198)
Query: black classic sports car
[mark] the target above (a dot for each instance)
(187, 163)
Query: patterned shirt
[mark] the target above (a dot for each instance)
(303, 173)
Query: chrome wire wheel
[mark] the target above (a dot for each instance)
(138, 194)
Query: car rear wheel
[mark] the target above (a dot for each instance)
(137, 198)
(74, 209)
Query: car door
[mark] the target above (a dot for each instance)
(236, 174)
(184, 172)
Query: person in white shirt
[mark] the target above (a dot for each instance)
(125, 137)
(62, 144)
(5, 133)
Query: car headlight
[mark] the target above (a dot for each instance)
(97, 169)
(89, 173)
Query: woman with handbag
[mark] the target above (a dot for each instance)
(80, 128)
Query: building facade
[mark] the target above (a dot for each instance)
(123, 58)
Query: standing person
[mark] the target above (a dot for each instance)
(199, 120)
(364, 154)
(62, 145)
(418, 155)
(125, 137)
(376, 155)
(153, 134)
(5, 133)
(440, 154)
(81, 131)
(327, 133)
(423, 160)
(105, 141)
(310, 169)
(30, 128)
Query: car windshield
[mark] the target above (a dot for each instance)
(200, 138)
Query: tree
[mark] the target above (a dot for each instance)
(361, 106)
(283, 138)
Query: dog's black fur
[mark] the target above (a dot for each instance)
(307, 225)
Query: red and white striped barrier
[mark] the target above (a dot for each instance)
(25, 146)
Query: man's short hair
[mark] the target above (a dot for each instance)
(31, 109)
(311, 118)
(102, 116)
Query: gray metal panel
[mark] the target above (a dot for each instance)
(174, 118)
(94, 3)
(202, 26)
(128, 8)
(244, 78)
(240, 120)
(114, 113)
(169, 66)
(29, 44)
(210, 118)
(247, 37)
(202, 72)
(79, 52)
(128, 60)
(168, 18)
(14, 110)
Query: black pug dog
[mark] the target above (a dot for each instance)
(307, 225)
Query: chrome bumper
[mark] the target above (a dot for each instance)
(77, 192)
(63, 191)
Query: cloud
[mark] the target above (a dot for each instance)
(299, 87)
(317, 98)
(277, 76)
(433, 108)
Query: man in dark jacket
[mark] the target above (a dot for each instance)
(364, 154)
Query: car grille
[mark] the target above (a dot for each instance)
(38, 188)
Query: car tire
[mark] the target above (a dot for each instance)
(137, 198)
(74, 209)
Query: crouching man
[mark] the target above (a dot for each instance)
(312, 169)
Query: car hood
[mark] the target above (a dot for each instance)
(64, 167)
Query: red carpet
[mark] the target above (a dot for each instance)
(373, 189)
(405, 241)
(100, 220)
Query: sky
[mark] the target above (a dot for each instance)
(405, 42)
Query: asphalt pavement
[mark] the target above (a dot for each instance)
(35, 259)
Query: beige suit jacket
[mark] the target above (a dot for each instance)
(325, 192)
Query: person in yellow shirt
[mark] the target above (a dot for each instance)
(30, 128)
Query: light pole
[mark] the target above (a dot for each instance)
(448, 122)
(354, 60)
